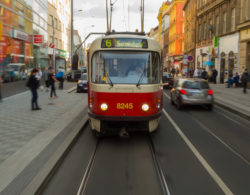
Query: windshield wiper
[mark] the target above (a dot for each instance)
(110, 82)
(141, 77)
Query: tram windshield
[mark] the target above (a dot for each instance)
(118, 67)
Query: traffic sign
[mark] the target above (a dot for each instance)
(190, 58)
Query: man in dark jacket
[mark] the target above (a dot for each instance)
(33, 84)
(204, 74)
(215, 73)
(244, 80)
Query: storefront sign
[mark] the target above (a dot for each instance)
(1, 30)
(216, 41)
(19, 35)
(37, 39)
(62, 53)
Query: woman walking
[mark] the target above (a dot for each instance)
(52, 80)
(33, 84)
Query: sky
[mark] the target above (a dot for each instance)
(125, 16)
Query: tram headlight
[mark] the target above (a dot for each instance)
(104, 107)
(145, 107)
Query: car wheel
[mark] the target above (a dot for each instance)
(172, 102)
(210, 107)
(179, 105)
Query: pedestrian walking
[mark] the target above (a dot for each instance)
(204, 74)
(214, 75)
(173, 72)
(60, 77)
(196, 73)
(244, 80)
(177, 72)
(52, 80)
(33, 84)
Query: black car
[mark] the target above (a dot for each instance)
(82, 84)
(167, 81)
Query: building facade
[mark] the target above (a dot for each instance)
(59, 33)
(154, 33)
(23, 37)
(176, 33)
(79, 50)
(217, 38)
(190, 13)
(244, 28)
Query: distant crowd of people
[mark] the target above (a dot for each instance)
(212, 76)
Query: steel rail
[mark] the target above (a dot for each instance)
(158, 168)
(89, 167)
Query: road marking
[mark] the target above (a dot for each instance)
(220, 140)
(204, 163)
(167, 95)
(220, 112)
(216, 137)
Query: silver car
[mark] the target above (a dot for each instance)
(191, 92)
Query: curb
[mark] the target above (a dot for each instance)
(245, 116)
(71, 89)
(47, 170)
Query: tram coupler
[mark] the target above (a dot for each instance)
(123, 133)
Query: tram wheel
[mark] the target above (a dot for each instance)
(97, 134)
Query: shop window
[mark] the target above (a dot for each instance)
(231, 63)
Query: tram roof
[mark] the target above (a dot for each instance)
(153, 45)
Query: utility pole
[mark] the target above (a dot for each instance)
(72, 35)
(53, 40)
(107, 16)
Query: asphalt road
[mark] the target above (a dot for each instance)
(199, 151)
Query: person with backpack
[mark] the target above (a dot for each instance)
(33, 84)
(244, 80)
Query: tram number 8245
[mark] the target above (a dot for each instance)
(124, 106)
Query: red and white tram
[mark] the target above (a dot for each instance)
(124, 83)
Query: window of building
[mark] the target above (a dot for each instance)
(224, 29)
(59, 26)
(233, 20)
(247, 9)
(55, 23)
(50, 20)
(210, 28)
(205, 31)
(199, 33)
(201, 3)
(56, 43)
(51, 39)
(217, 21)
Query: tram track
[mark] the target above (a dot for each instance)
(84, 183)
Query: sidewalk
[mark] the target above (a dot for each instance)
(232, 99)
(28, 139)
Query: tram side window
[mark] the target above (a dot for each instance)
(155, 68)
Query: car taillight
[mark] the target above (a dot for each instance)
(210, 92)
(182, 91)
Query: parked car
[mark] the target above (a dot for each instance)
(167, 81)
(74, 75)
(14, 72)
(192, 92)
(82, 84)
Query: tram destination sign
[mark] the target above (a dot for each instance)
(124, 43)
